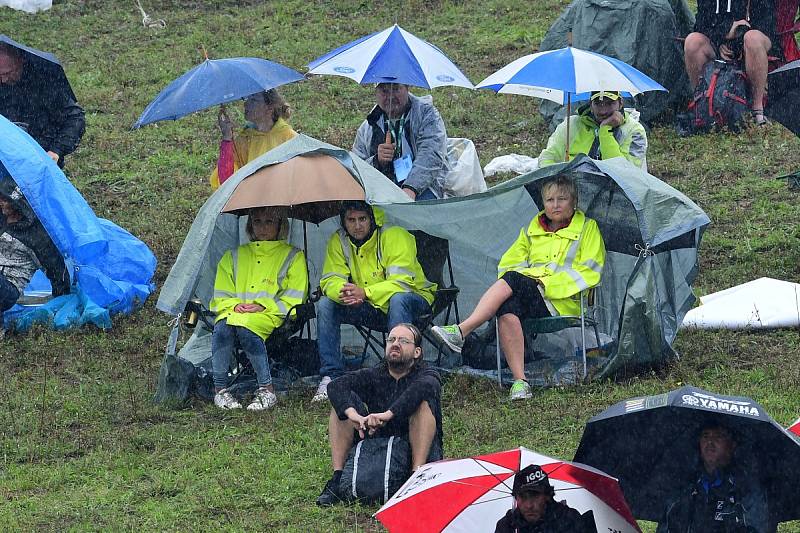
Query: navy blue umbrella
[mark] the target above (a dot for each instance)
(651, 445)
(213, 82)
(47, 56)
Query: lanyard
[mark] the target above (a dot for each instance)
(397, 130)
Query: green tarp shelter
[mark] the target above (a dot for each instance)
(652, 233)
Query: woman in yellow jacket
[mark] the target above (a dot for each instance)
(256, 286)
(558, 255)
(266, 113)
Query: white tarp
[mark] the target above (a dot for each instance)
(759, 304)
(30, 6)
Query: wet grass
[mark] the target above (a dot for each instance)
(81, 445)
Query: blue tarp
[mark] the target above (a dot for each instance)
(110, 268)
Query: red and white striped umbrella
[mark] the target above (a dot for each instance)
(795, 428)
(473, 494)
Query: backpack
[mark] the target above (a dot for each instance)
(720, 101)
(375, 469)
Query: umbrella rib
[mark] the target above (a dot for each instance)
(491, 473)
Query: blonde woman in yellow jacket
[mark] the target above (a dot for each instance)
(371, 277)
(558, 255)
(267, 114)
(256, 286)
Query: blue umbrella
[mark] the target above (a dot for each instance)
(391, 56)
(651, 445)
(47, 56)
(213, 82)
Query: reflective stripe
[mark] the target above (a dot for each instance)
(281, 306)
(293, 293)
(246, 295)
(286, 264)
(577, 278)
(235, 261)
(355, 468)
(333, 275)
(223, 294)
(403, 284)
(593, 265)
(387, 468)
(345, 242)
(400, 270)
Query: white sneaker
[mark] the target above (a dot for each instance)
(263, 399)
(322, 390)
(225, 400)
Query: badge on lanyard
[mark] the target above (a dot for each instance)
(402, 168)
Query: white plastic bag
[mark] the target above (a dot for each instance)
(465, 176)
(518, 164)
(30, 6)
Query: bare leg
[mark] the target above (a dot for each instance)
(421, 432)
(488, 305)
(756, 47)
(513, 343)
(340, 436)
(697, 51)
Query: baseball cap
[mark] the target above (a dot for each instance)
(611, 95)
(532, 479)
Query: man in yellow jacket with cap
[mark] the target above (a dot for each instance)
(371, 277)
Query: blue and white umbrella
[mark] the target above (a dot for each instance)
(213, 82)
(391, 56)
(568, 74)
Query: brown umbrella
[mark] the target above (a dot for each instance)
(311, 185)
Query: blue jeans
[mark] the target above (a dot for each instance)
(403, 307)
(223, 342)
(427, 194)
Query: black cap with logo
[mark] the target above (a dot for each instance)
(532, 479)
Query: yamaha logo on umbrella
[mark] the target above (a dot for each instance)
(718, 404)
(344, 70)
(445, 78)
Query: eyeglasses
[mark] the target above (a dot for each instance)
(402, 340)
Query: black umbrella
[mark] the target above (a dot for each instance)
(783, 103)
(651, 445)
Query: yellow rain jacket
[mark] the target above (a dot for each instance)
(566, 261)
(251, 143)
(383, 266)
(270, 273)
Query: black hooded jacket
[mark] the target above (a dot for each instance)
(30, 232)
(558, 518)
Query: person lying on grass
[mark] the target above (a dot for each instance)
(256, 286)
(542, 274)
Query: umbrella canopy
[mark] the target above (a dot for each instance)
(649, 444)
(472, 494)
(391, 56)
(784, 95)
(213, 82)
(311, 185)
(795, 428)
(28, 51)
(561, 75)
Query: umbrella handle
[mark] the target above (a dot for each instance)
(388, 139)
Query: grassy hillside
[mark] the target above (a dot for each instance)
(81, 445)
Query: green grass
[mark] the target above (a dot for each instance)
(81, 445)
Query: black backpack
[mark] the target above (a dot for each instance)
(720, 101)
(376, 468)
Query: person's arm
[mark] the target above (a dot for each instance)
(68, 116)
(293, 290)
(427, 385)
(335, 271)
(588, 266)
(430, 153)
(346, 391)
(225, 298)
(556, 146)
(516, 257)
(399, 261)
(634, 145)
(362, 143)
(54, 268)
(755, 507)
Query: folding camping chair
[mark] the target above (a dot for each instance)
(433, 253)
(534, 326)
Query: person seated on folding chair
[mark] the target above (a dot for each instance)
(400, 397)
(542, 274)
(722, 496)
(372, 278)
(536, 510)
(731, 30)
(602, 129)
(25, 247)
(256, 286)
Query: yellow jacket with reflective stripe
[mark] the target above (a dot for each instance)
(566, 261)
(270, 273)
(383, 266)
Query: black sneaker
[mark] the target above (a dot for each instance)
(330, 494)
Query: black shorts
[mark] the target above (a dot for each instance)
(526, 301)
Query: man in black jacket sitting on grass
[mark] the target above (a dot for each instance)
(400, 397)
